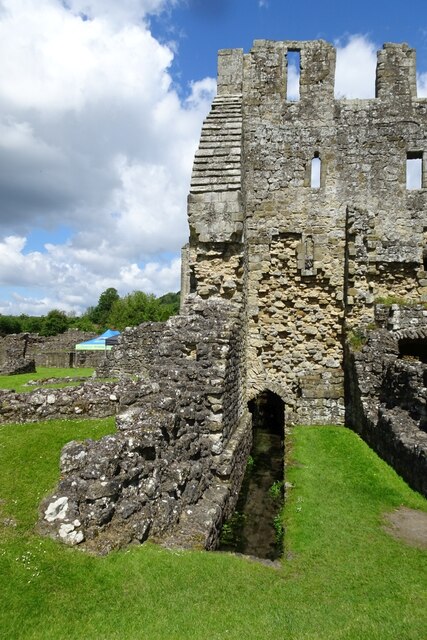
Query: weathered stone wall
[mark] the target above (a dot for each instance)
(386, 404)
(176, 464)
(304, 261)
(14, 358)
(49, 351)
(137, 350)
(91, 399)
(407, 320)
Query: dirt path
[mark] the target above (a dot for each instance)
(408, 525)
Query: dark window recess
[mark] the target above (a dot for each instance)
(425, 259)
(414, 170)
(309, 253)
(293, 82)
(413, 348)
(193, 281)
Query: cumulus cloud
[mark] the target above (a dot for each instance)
(74, 276)
(355, 69)
(93, 136)
(293, 80)
(118, 12)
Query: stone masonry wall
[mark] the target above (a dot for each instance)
(386, 404)
(91, 399)
(49, 351)
(175, 466)
(277, 270)
(304, 260)
(138, 348)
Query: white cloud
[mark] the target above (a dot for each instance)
(118, 12)
(18, 269)
(422, 85)
(75, 280)
(355, 69)
(293, 82)
(94, 137)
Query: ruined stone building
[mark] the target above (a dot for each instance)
(303, 259)
(301, 220)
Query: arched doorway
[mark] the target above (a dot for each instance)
(255, 527)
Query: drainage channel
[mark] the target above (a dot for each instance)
(255, 528)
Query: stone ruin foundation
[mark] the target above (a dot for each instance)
(24, 352)
(301, 219)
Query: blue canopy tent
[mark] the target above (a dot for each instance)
(100, 343)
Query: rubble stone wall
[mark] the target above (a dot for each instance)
(49, 351)
(304, 260)
(277, 269)
(91, 399)
(386, 404)
(174, 469)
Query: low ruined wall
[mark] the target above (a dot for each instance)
(136, 351)
(397, 317)
(70, 359)
(91, 399)
(173, 471)
(386, 405)
(50, 351)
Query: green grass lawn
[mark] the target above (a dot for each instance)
(18, 382)
(343, 576)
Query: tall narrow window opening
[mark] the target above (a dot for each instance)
(294, 74)
(414, 170)
(315, 171)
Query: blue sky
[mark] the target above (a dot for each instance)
(101, 105)
(207, 26)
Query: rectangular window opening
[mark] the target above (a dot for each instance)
(293, 58)
(414, 170)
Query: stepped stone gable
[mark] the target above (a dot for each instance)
(302, 261)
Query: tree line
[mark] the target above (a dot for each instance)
(111, 312)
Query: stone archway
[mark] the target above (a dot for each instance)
(268, 410)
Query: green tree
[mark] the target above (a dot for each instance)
(83, 323)
(31, 324)
(169, 304)
(55, 322)
(99, 314)
(133, 309)
(9, 324)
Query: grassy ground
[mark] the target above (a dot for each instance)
(17, 382)
(343, 576)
